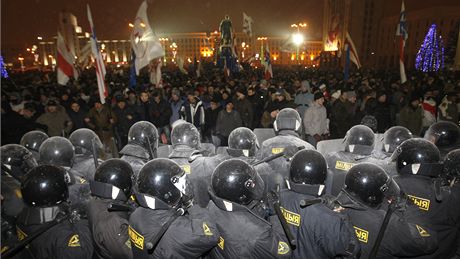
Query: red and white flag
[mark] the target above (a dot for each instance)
(401, 32)
(353, 53)
(98, 61)
(65, 61)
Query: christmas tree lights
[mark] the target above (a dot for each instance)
(430, 56)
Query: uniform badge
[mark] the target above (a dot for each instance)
(421, 203)
(74, 241)
(291, 217)
(422, 232)
(343, 165)
(277, 150)
(283, 248)
(206, 230)
(361, 234)
(136, 238)
(221, 243)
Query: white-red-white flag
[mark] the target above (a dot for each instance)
(353, 53)
(98, 61)
(401, 32)
(144, 42)
(65, 61)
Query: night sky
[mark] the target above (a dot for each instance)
(24, 20)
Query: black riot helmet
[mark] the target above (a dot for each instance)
(113, 177)
(57, 151)
(32, 140)
(288, 119)
(243, 141)
(393, 137)
(83, 140)
(417, 156)
(452, 164)
(45, 186)
(18, 160)
(185, 134)
(165, 180)
(368, 184)
(308, 167)
(144, 134)
(359, 140)
(443, 134)
(237, 181)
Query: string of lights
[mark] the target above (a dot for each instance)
(430, 56)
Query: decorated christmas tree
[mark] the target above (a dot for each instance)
(430, 56)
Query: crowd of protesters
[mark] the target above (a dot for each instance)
(216, 104)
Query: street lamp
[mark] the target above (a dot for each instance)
(297, 38)
(262, 54)
(163, 41)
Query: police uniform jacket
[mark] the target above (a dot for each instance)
(245, 234)
(189, 236)
(321, 232)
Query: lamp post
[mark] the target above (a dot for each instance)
(21, 60)
(298, 38)
(262, 54)
(163, 42)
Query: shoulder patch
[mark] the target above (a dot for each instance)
(136, 238)
(283, 248)
(21, 235)
(187, 169)
(361, 234)
(74, 241)
(422, 231)
(345, 166)
(277, 150)
(421, 203)
(221, 243)
(291, 217)
(206, 230)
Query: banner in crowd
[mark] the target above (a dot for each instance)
(98, 61)
(144, 42)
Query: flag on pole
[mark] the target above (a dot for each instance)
(401, 32)
(350, 46)
(346, 69)
(267, 64)
(132, 72)
(98, 62)
(144, 42)
(247, 24)
(65, 61)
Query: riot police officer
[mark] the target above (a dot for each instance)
(108, 212)
(367, 188)
(16, 162)
(419, 168)
(142, 145)
(87, 144)
(445, 135)
(243, 144)
(316, 224)
(392, 138)
(246, 230)
(451, 167)
(288, 127)
(166, 225)
(65, 235)
(59, 151)
(186, 144)
(359, 144)
(32, 140)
